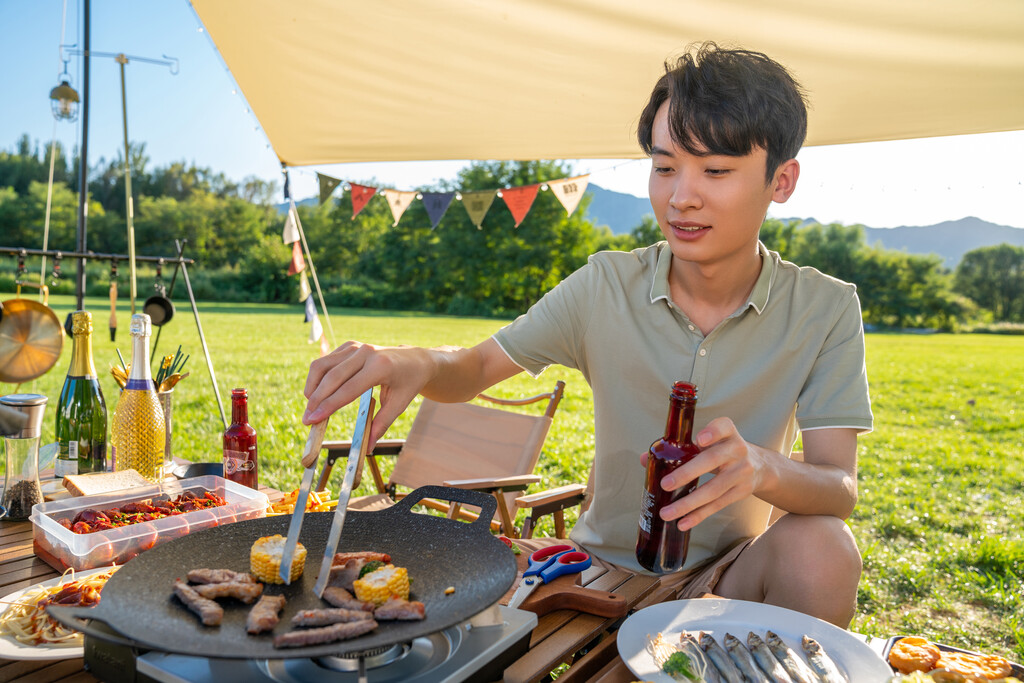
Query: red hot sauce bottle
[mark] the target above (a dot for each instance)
(240, 443)
(660, 546)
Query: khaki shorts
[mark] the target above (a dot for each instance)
(691, 583)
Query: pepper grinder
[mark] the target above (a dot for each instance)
(21, 481)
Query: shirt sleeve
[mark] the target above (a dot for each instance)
(836, 392)
(552, 330)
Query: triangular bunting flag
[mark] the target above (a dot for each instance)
(310, 309)
(476, 204)
(327, 185)
(399, 202)
(291, 229)
(298, 263)
(519, 200)
(360, 195)
(436, 203)
(304, 291)
(570, 191)
(325, 347)
(317, 330)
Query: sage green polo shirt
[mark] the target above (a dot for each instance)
(792, 357)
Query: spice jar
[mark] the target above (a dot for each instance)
(21, 481)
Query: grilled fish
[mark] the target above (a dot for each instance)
(766, 660)
(790, 660)
(821, 663)
(744, 660)
(726, 669)
(688, 643)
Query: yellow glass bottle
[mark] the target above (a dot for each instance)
(137, 434)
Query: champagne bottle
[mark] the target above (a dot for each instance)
(137, 433)
(660, 546)
(240, 443)
(81, 427)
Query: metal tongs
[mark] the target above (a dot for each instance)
(356, 454)
(310, 455)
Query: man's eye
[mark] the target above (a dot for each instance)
(661, 170)
(717, 171)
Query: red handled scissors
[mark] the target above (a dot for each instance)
(546, 565)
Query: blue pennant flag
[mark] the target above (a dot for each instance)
(436, 203)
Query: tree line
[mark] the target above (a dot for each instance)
(233, 231)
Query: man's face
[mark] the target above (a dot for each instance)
(708, 207)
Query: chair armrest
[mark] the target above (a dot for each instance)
(336, 449)
(486, 483)
(556, 495)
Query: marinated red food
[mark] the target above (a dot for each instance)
(90, 520)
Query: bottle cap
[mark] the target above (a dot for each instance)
(30, 405)
(140, 326)
(81, 323)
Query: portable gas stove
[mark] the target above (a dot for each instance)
(479, 649)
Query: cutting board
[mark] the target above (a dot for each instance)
(566, 593)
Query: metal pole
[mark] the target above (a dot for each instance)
(202, 340)
(129, 211)
(83, 165)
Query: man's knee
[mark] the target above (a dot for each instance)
(822, 549)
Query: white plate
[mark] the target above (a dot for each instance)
(718, 616)
(12, 649)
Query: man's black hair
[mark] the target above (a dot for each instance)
(729, 101)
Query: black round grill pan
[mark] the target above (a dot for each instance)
(138, 601)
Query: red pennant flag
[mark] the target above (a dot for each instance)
(298, 263)
(360, 195)
(519, 200)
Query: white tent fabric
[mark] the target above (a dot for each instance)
(335, 81)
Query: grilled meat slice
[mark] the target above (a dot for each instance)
(344, 575)
(246, 592)
(265, 614)
(327, 634)
(219, 576)
(210, 613)
(339, 597)
(399, 609)
(325, 617)
(368, 555)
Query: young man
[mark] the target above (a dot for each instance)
(774, 349)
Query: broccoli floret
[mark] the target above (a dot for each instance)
(371, 566)
(679, 667)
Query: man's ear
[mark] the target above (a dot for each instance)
(785, 180)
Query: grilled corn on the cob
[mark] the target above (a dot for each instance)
(381, 585)
(265, 559)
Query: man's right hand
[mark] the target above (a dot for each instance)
(340, 377)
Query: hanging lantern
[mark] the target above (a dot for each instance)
(64, 102)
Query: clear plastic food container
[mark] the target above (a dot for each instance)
(61, 548)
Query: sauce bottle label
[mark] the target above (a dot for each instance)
(237, 461)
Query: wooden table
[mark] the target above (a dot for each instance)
(559, 638)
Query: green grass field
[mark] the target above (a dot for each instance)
(940, 514)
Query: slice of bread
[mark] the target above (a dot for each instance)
(103, 482)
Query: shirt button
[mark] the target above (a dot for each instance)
(691, 327)
(703, 352)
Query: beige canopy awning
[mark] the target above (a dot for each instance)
(335, 81)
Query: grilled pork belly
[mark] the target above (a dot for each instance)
(368, 555)
(399, 609)
(240, 590)
(339, 597)
(325, 617)
(219, 576)
(210, 613)
(327, 634)
(344, 575)
(264, 614)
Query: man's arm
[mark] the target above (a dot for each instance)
(824, 484)
(446, 374)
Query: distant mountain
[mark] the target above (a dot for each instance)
(950, 239)
(618, 210)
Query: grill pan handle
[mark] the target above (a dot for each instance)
(81, 618)
(487, 504)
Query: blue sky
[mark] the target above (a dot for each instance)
(199, 116)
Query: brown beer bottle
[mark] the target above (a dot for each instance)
(660, 545)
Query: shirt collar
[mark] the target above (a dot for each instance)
(758, 298)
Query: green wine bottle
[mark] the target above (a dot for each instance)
(81, 428)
